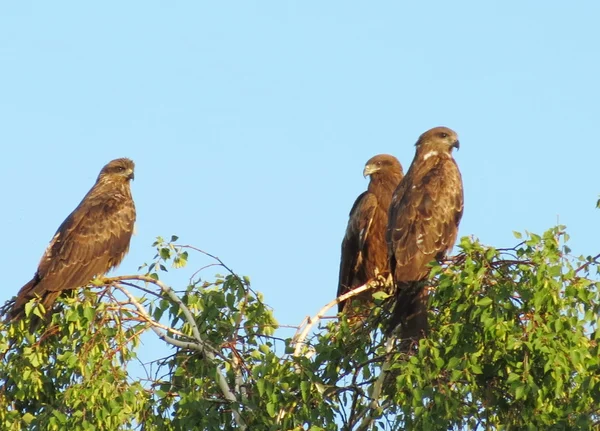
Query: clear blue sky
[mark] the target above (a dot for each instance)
(250, 123)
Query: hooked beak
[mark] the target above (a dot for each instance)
(370, 169)
(456, 144)
(131, 175)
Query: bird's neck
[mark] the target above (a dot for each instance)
(118, 187)
(383, 185)
(433, 153)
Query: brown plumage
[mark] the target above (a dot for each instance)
(364, 250)
(423, 223)
(93, 239)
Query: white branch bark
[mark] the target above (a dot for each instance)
(303, 331)
(199, 344)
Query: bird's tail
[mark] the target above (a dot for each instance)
(410, 310)
(31, 290)
(14, 309)
(17, 311)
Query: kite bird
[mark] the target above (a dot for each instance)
(423, 223)
(364, 250)
(92, 240)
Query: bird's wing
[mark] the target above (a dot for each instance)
(92, 240)
(425, 217)
(355, 240)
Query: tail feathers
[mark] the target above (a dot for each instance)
(410, 311)
(25, 294)
(33, 289)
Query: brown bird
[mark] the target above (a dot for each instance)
(423, 224)
(364, 250)
(92, 240)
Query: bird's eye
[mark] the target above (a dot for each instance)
(121, 168)
(444, 135)
(378, 163)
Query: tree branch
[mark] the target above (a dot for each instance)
(303, 332)
(588, 263)
(189, 317)
(199, 345)
(161, 330)
(378, 386)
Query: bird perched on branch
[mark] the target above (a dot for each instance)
(364, 250)
(92, 240)
(423, 224)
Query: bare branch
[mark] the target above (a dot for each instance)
(189, 317)
(300, 336)
(140, 310)
(219, 262)
(143, 289)
(199, 345)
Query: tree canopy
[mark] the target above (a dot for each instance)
(513, 345)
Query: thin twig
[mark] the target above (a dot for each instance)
(143, 289)
(191, 281)
(588, 263)
(189, 317)
(158, 329)
(141, 311)
(220, 262)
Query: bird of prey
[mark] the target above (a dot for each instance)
(92, 240)
(364, 250)
(423, 224)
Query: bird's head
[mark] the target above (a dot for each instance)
(118, 169)
(382, 164)
(437, 141)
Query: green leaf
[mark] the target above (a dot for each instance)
(305, 390)
(484, 302)
(380, 295)
(27, 418)
(165, 253)
(453, 363)
(512, 377)
(260, 385)
(88, 313)
(520, 392)
(476, 369)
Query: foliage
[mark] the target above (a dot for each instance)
(513, 345)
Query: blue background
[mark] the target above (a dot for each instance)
(250, 123)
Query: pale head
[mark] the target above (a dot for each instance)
(118, 170)
(382, 164)
(439, 140)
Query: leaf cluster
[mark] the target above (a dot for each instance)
(513, 345)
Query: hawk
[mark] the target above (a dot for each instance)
(423, 224)
(92, 240)
(364, 250)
